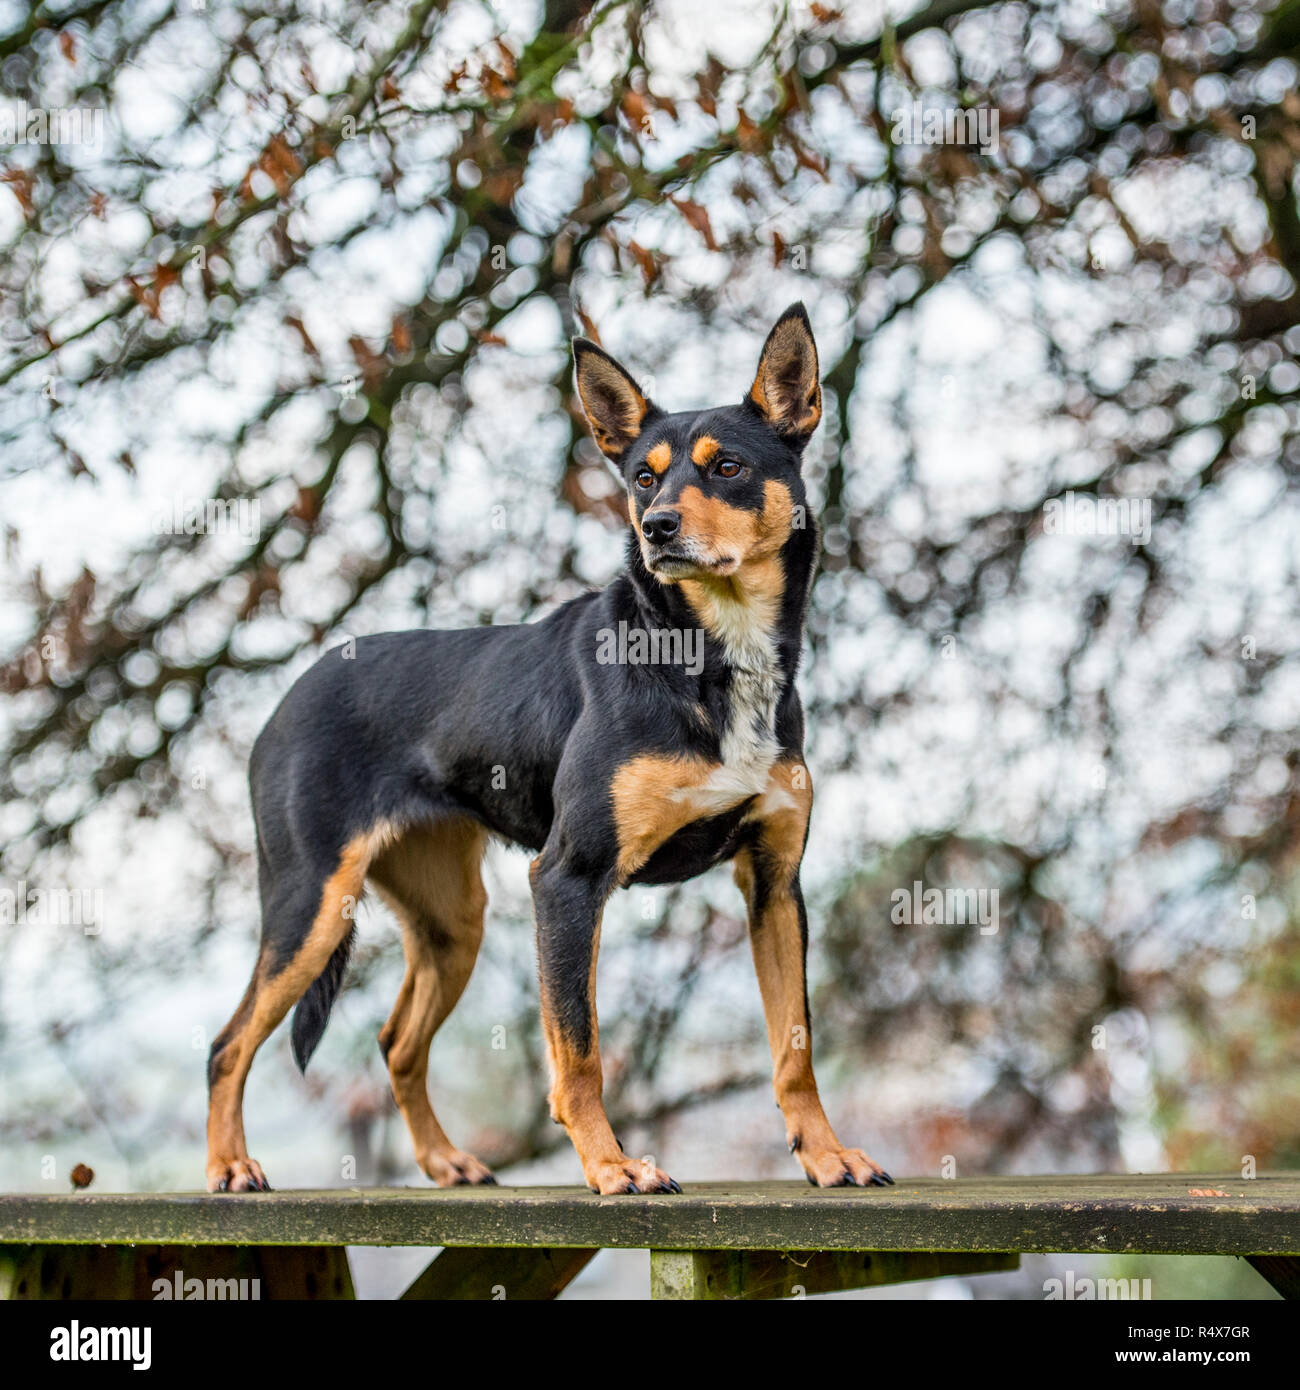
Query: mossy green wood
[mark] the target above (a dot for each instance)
(1153, 1214)
(226, 1272)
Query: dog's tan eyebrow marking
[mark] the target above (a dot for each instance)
(660, 457)
(704, 449)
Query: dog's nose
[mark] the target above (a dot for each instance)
(661, 526)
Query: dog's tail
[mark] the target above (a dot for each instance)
(313, 1010)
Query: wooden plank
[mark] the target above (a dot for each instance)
(226, 1273)
(750, 1275)
(60, 1272)
(514, 1275)
(1153, 1214)
(1282, 1271)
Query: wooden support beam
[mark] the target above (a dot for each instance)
(517, 1275)
(766, 1274)
(1282, 1271)
(144, 1272)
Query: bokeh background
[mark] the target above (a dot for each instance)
(323, 262)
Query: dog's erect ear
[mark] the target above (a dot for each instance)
(786, 390)
(616, 406)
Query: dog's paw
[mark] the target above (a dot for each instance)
(624, 1174)
(842, 1168)
(452, 1168)
(236, 1175)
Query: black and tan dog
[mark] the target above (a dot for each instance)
(395, 758)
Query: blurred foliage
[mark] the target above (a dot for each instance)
(327, 259)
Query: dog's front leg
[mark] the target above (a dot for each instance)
(768, 874)
(568, 905)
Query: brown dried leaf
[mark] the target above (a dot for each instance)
(698, 218)
(265, 582)
(494, 84)
(588, 326)
(748, 135)
(646, 261)
(307, 506)
(144, 295)
(370, 364)
(281, 164)
(508, 65)
(300, 329)
(501, 185)
(637, 109)
(22, 184)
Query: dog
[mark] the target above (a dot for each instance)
(395, 758)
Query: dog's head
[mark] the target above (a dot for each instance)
(710, 491)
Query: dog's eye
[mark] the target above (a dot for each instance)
(729, 468)
(645, 478)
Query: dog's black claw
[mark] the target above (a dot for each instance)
(632, 1187)
(882, 1180)
(225, 1185)
(488, 1181)
(846, 1180)
(674, 1185)
(812, 1181)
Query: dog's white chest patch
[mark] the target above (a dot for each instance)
(749, 746)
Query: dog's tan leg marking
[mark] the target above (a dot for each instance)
(229, 1166)
(768, 875)
(577, 1086)
(654, 797)
(266, 1001)
(431, 878)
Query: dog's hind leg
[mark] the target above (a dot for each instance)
(305, 924)
(431, 879)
